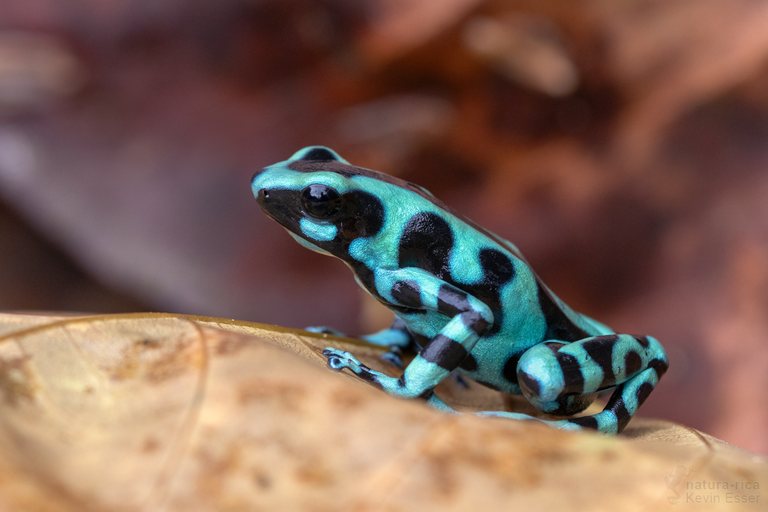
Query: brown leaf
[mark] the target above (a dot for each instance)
(143, 411)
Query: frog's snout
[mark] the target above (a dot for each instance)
(258, 187)
(256, 176)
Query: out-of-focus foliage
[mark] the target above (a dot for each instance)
(621, 145)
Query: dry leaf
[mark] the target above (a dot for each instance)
(154, 411)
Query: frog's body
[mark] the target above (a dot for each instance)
(465, 297)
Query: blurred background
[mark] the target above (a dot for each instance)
(623, 146)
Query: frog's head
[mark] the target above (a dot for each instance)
(323, 201)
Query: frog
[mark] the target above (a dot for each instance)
(465, 300)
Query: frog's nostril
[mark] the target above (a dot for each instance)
(263, 194)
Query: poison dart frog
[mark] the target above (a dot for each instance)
(465, 299)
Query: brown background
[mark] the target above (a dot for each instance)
(622, 145)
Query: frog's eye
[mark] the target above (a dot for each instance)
(320, 201)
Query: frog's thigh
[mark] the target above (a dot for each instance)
(553, 381)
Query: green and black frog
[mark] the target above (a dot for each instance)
(463, 298)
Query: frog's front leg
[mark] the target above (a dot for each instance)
(417, 289)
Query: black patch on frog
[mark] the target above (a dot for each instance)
(427, 242)
(601, 350)
(408, 294)
(451, 302)
(497, 266)
(559, 326)
(469, 363)
(362, 216)
(643, 341)
(632, 363)
(319, 155)
(475, 321)
(659, 366)
(444, 352)
(529, 383)
(642, 392)
(619, 408)
(585, 421)
(510, 368)
(366, 278)
(367, 375)
(573, 379)
(420, 340)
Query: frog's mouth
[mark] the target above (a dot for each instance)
(307, 244)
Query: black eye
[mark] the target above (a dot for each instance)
(320, 201)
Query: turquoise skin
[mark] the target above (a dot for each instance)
(465, 299)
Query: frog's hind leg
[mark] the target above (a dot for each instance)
(562, 378)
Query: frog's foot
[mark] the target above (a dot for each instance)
(322, 329)
(396, 339)
(340, 359)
